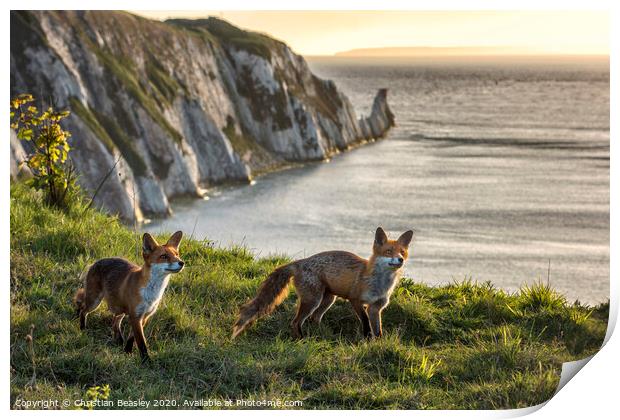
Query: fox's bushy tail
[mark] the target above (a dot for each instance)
(270, 294)
(78, 299)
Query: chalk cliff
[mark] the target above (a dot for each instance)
(178, 105)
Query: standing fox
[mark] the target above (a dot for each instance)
(319, 279)
(129, 289)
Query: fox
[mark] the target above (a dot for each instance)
(129, 289)
(321, 278)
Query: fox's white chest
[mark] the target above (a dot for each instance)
(154, 290)
(382, 282)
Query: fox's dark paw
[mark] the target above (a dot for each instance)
(129, 346)
(119, 341)
(296, 333)
(146, 360)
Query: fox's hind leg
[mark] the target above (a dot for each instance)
(310, 291)
(116, 329)
(305, 308)
(92, 299)
(80, 294)
(326, 303)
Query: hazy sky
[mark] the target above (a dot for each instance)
(328, 32)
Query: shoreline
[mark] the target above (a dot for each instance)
(224, 185)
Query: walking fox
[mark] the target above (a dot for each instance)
(129, 289)
(319, 279)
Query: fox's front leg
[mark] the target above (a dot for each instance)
(129, 344)
(131, 340)
(374, 313)
(137, 336)
(360, 311)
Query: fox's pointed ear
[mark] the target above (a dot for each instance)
(405, 238)
(148, 243)
(380, 236)
(175, 239)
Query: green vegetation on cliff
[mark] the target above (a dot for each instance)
(110, 134)
(222, 31)
(462, 345)
(124, 71)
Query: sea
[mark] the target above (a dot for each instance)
(500, 165)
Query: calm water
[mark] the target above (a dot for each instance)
(499, 167)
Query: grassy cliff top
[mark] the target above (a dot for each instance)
(252, 42)
(463, 345)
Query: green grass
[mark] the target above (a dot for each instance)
(463, 345)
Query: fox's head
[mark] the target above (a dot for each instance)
(163, 257)
(391, 253)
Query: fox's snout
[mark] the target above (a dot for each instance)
(397, 262)
(176, 266)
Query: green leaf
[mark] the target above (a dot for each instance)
(25, 134)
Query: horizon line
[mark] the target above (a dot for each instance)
(456, 50)
(533, 54)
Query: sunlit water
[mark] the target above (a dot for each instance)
(501, 168)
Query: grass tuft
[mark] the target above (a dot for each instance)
(541, 296)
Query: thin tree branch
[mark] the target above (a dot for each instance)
(105, 178)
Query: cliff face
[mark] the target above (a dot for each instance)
(177, 105)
